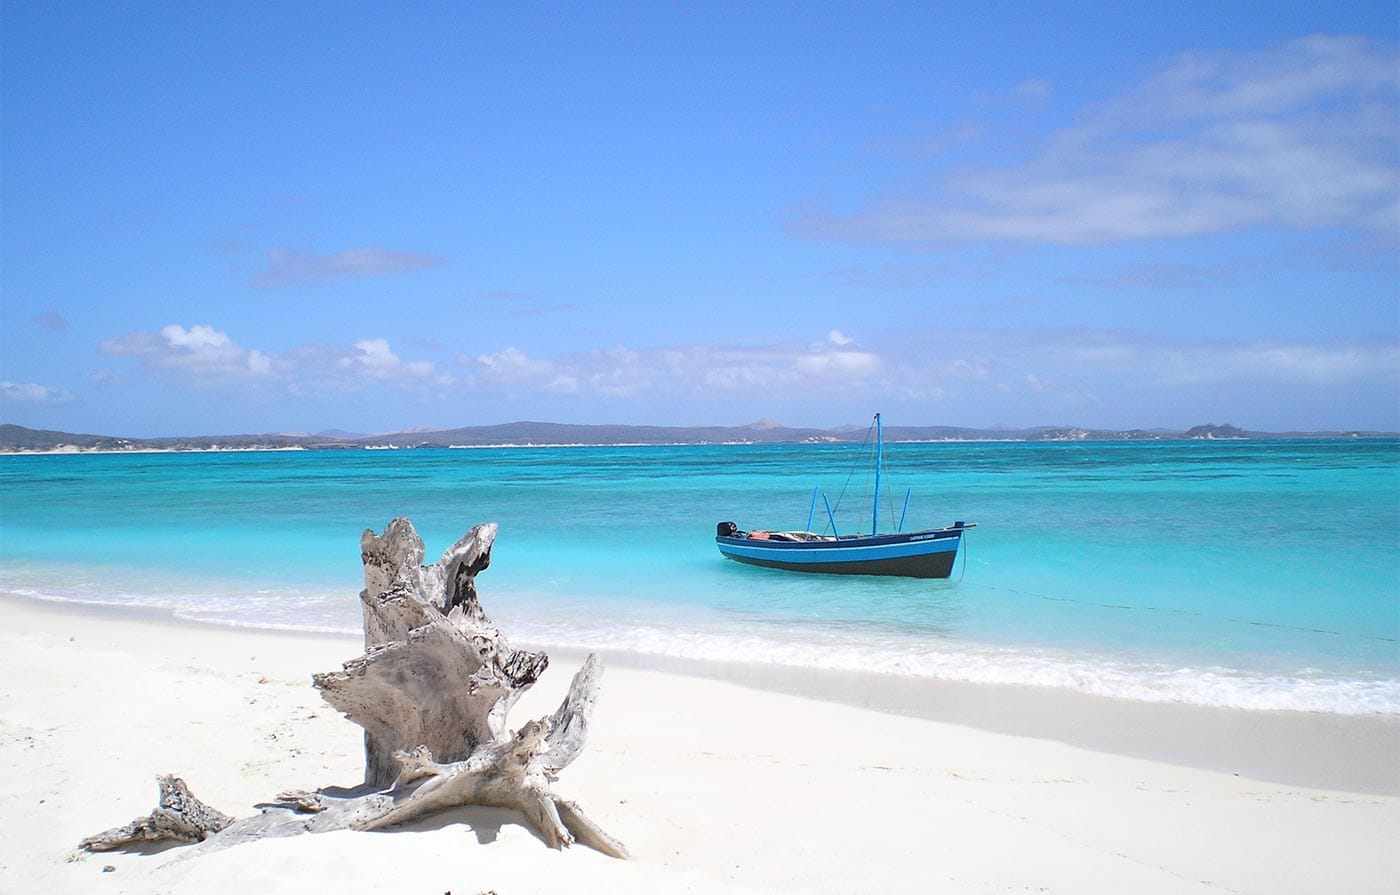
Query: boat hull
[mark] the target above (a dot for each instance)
(919, 554)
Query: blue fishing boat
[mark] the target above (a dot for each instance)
(917, 554)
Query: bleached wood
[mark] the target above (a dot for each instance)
(178, 817)
(432, 692)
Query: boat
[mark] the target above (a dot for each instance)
(930, 553)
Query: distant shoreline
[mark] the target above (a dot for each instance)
(21, 440)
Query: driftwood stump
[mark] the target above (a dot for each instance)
(432, 692)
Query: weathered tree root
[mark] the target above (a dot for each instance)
(432, 692)
(180, 817)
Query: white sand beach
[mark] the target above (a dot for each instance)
(712, 785)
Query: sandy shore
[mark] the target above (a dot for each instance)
(713, 785)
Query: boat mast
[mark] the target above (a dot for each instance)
(879, 462)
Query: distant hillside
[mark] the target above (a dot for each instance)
(15, 439)
(1213, 431)
(18, 439)
(522, 433)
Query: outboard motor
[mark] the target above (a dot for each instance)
(726, 530)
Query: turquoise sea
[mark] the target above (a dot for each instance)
(1252, 574)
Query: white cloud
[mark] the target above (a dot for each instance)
(1044, 371)
(373, 354)
(374, 359)
(328, 370)
(105, 378)
(203, 354)
(200, 351)
(1283, 362)
(32, 393)
(684, 370)
(512, 368)
(196, 338)
(1040, 357)
(1301, 135)
(857, 364)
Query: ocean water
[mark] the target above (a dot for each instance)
(1251, 574)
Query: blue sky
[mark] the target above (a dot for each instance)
(373, 217)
